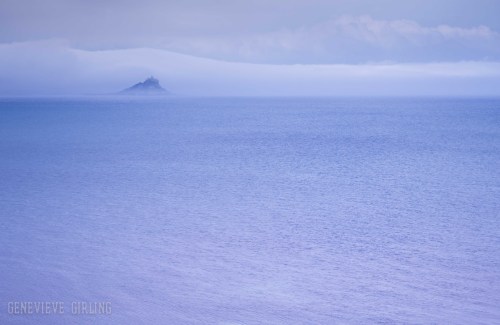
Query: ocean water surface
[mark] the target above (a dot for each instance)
(252, 211)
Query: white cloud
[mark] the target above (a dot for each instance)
(275, 31)
(350, 39)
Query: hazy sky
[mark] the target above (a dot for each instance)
(231, 47)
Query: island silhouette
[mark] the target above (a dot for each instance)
(150, 86)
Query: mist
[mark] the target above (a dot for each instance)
(53, 68)
(258, 48)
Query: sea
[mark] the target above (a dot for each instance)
(118, 210)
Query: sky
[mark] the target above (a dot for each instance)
(232, 47)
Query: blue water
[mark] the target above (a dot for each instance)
(252, 211)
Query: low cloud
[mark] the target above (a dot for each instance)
(53, 68)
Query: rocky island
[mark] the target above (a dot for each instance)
(150, 86)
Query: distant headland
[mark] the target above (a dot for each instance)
(150, 86)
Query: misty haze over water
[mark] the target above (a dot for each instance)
(293, 162)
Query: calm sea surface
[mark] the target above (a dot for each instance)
(252, 211)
